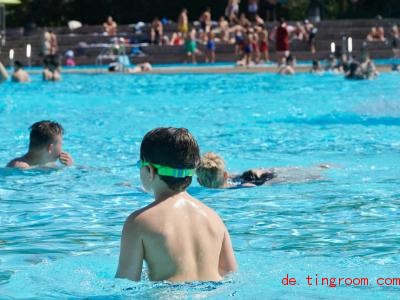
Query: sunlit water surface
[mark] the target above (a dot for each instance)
(60, 230)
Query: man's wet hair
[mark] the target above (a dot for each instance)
(171, 147)
(44, 133)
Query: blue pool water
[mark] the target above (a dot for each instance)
(60, 230)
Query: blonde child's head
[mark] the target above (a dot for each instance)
(211, 171)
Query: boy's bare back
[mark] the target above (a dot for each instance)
(180, 238)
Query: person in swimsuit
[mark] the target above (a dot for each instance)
(264, 49)
(239, 41)
(287, 65)
(282, 36)
(45, 147)
(252, 9)
(396, 41)
(110, 27)
(19, 75)
(247, 49)
(183, 22)
(255, 46)
(212, 173)
(191, 46)
(205, 20)
(180, 238)
(210, 54)
(51, 70)
(232, 11)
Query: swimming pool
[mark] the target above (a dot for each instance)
(60, 230)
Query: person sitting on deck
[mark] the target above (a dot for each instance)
(212, 173)
(376, 35)
(3, 73)
(180, 238)
(156, 32)
(45, 147)
(191, 46)
(110, 27)
(176, 39)
(223, 27)
(19, 75)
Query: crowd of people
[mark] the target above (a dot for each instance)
(246, 31)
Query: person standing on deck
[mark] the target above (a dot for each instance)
(282, 36)
(183, 22)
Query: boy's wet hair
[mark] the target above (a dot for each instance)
(210, 172)
(44, 133)
(171, 147)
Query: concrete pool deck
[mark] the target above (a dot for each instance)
(199, 70)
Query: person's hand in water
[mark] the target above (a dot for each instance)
(66, 159)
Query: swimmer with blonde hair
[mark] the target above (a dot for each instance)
(212, 173)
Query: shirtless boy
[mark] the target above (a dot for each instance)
(180, 238)
(45, 147)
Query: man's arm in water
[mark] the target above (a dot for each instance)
(131, 253)
(3, 73)
(227, 261)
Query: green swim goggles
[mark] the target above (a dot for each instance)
(167, 171)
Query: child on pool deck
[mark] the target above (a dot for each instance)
(45, 147)
(211, 173)
(180, 238)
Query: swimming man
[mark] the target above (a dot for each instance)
(19, 75)
(180, 238)
(45, 147)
